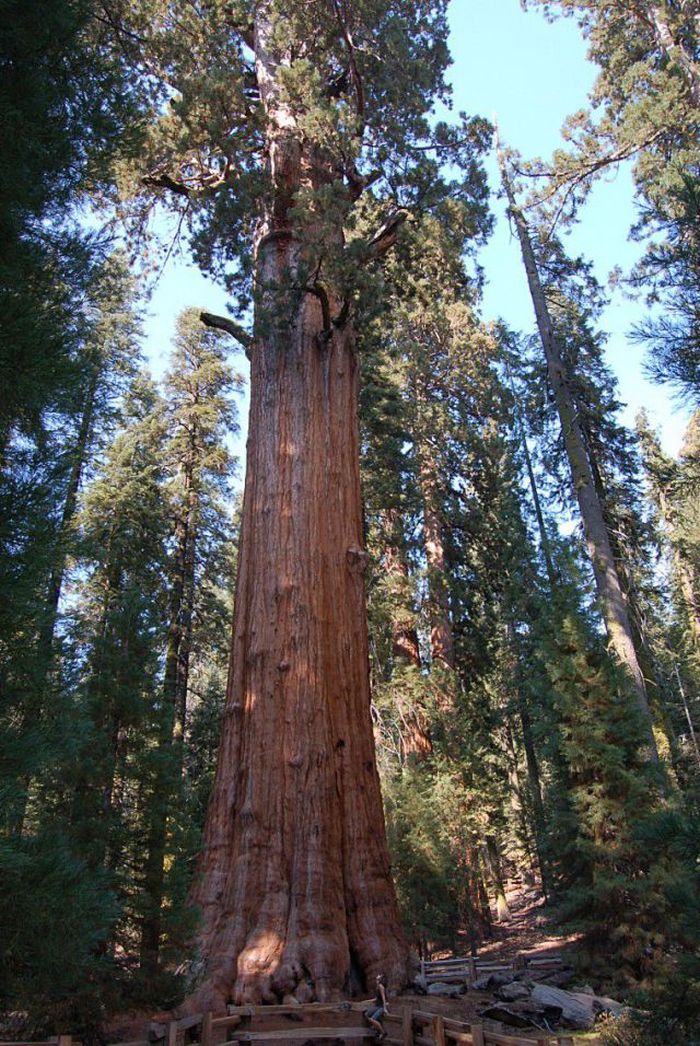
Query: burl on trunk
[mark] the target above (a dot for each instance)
(295, 887)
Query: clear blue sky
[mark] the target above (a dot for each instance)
(531, 74)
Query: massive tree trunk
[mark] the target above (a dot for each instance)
(294, 885)
(608, 586)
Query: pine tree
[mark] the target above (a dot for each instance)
(71, 870)
(40, 488)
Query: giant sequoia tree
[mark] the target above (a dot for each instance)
(293, 139)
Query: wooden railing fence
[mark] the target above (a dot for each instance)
(471, 969)
(338, 1022)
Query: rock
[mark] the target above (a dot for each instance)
(481, 984)
(451, 990)
(576, 1011)
(585, 990)
(558, 978)
(499, 979)
(507, 1015)
(602, 1004)
(493, 980)
(420, 984)
(514, 991)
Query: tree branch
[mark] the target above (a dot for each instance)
(223, 323)
(164, 181)
(342, 16)
(385, 237)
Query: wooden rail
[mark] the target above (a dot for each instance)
(409, 1028)
(470, 969)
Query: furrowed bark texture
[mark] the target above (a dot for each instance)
(610, 594)
(295, 885)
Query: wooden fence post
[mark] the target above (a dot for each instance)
(172, 1033)
(438, 1030)
(64, 1040)
(407, 1028)
(477, 1032)
(472, 972)
(206, 1035)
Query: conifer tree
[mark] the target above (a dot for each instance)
(120, 602)
(40, 488)
(610, 592)
(665, 480)
(198, 416)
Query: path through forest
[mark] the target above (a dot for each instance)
(527, 930)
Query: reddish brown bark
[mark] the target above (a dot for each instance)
(415, 736)
(295, 886)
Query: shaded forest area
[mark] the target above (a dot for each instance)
(402, 572)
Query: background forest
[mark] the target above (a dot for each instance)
(534, 684)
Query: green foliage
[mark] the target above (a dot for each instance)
(427, 865)
(54, 913)
(623, 879)
(669, 1015)
(65, 110)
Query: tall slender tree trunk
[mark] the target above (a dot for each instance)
(492, 859)
(689, 718)
(415, 736)
(545, 543)
(681, 569)
(173, 716)
(404, 639)
(294, 886)
(608, 586)
(531, 761)
(441, 639)
(34, 706)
